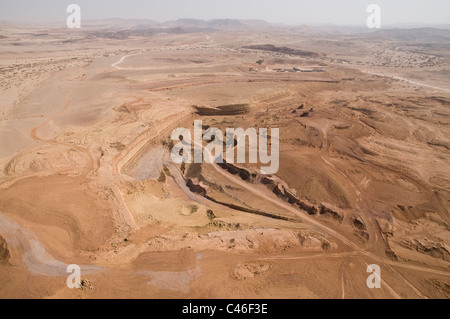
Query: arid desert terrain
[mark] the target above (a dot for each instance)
(86, 175)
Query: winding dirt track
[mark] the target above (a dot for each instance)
(312, 221)
(90, 161)
(115, 65)
(399, 78)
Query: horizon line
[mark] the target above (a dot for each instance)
(286, 24)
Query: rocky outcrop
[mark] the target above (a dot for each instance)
(4, 251)
(307, 207)
(325, 211)
(250, 210)
(223, 110)
(426, 246)
(243, 173)
(391, 254)
(286, 193)
(210, 214)
(196, 187)
(314, 241)
(358, 223)
(363, 234)
(281, 189)
(285, 50)
(249, 270)
(200, 188)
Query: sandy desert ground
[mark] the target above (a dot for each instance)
(86, 176)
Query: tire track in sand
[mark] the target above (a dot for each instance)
(35, 258)
(90, 161)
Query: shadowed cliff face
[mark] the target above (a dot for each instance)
(4, 252)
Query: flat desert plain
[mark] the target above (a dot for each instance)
(86, 176)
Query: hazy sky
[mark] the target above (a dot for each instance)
(343, 12)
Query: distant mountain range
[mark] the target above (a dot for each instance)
(406, 33)
(413, 35)
(117, 28)
(216, 24)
